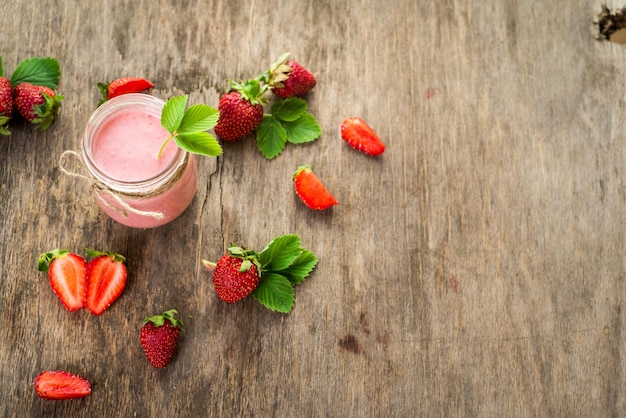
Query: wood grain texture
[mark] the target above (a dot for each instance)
(476, 269)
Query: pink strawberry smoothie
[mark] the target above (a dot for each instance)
(123, 150)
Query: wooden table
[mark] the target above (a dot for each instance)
(477, 268)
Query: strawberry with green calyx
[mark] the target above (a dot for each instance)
(60, 385)
(311, 190)
(287, 78)
(188, 125)
(123, 85)
(241, 110)
(159, 337)
(37, 104)
(67, 276)
(283, 265)
(6, 103)
(360, 136)
(106, 280)
(236, 274)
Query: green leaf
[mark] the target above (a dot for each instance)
(173, 113)
(275, 292)
(271, 137)
(300, 268)
(197, 118)
(1, 71)
(305, 129)
(42, 71)
(290, 109)
(43, 263)
(201, 143)
(280, 253)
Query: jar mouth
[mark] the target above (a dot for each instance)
(110, 109)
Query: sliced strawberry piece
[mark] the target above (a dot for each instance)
(106, 279)
(67, 274)
(361, 136)
(123, 85)
(60, 384)
(311, 190)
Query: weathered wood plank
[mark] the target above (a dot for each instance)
(475, 269)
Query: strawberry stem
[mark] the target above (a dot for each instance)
(165, 144)
(209, 264)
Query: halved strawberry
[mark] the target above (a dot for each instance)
(59, 384)
(361, 136)
(123, 85)
(67, 274)
(106, 279)
(311, 190)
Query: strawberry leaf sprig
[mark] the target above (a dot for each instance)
(40, 71)
(284, 265)
(188, 126)
(289, 121)
(269, 276)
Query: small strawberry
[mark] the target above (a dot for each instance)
(311, 190)
(159, 336)
(106, 279)
(361, 136)
(37, 104)
(123, 85)
(67, 274)
(241, 110)
(60, 384)
(288, 78)
(236, 274)
(6, 105)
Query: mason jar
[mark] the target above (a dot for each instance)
(134, 183)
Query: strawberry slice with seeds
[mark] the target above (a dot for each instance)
(106, 279)
(361, 136)
(123, 85)
(311, 190)
(67, 274)
(59, 384)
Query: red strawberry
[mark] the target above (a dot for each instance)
(67, 274)
(361, 136)
(59, 384)
(311, 190)
(236, 274)
(106, 279)
(37, 104)
(6, 105)
(159, 336)
(241, 110)
(123, 86)
(291, 79)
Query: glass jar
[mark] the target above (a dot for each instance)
(132, 183)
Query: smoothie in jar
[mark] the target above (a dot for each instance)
(134, 185)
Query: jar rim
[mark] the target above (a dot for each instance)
(113, 107)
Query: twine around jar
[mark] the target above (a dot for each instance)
(102, 189)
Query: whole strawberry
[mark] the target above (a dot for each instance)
(6, 105)
(288, 78)
(241, 110)
(159, 337)
(236, 274)
(37, 104)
